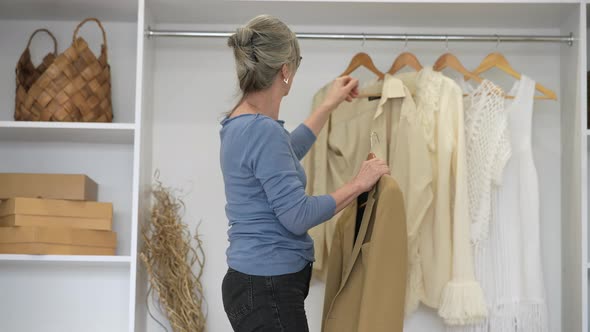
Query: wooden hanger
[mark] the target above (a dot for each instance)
(405, 59)
(497, 60)
(450, 60)
(364, 60)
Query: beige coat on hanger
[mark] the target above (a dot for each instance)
(365, 288)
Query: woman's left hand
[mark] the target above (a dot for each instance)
(343, 88)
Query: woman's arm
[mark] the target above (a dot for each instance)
(371, 171)
(316, 120)
(303, 137)
(273, 165)
(343, 88)
(345, 195)
(269, 156)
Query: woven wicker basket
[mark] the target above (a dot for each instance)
(75, 86)
(27, 73)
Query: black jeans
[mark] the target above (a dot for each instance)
(266, 304)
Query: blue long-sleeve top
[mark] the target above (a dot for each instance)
(268, 210)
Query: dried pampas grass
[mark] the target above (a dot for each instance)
(169, 257)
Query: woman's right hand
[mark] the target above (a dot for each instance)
(371, 171)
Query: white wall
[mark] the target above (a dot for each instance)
(195, 84)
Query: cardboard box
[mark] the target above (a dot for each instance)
(56, 208)
(23, 220)
(56, 241)
(52, 186)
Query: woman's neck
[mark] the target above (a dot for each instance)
(262, 102)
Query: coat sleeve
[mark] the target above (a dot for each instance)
(462, 300)
(274, 166)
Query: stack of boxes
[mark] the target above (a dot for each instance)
(56, 214)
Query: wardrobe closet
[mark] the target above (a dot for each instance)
(170, 94)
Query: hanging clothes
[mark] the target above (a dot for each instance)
(366, 283)
(341, 148)
(519, 296)
(449, 282)
(402, 143)
(488, 150)
(336, 157)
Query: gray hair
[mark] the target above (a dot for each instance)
(261, 48)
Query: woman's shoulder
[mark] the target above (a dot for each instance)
(255, 125)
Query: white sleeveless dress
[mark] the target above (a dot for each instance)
(520, 303)
(507, 250)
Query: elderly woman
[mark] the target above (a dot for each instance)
(270, 253)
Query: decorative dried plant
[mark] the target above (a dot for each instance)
(169, 258)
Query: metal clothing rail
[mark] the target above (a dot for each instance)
(568, 39)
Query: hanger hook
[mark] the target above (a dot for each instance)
(374, 136)
(364, 39)
(497, 41)
(447, 42)
(406, 43)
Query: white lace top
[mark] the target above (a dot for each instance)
(487, 141)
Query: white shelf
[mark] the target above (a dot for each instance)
(112, 133)
(114, 260)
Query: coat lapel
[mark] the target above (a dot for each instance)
(360, 239)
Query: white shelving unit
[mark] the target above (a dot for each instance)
(169, 95)
(74, 293)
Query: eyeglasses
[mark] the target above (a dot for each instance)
(299, 62)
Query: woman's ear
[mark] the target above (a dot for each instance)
(286, 72)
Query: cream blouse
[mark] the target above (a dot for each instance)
(445, 251)
(405, 148)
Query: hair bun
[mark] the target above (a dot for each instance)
(242, 38)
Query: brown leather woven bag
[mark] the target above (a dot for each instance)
(74, 86)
